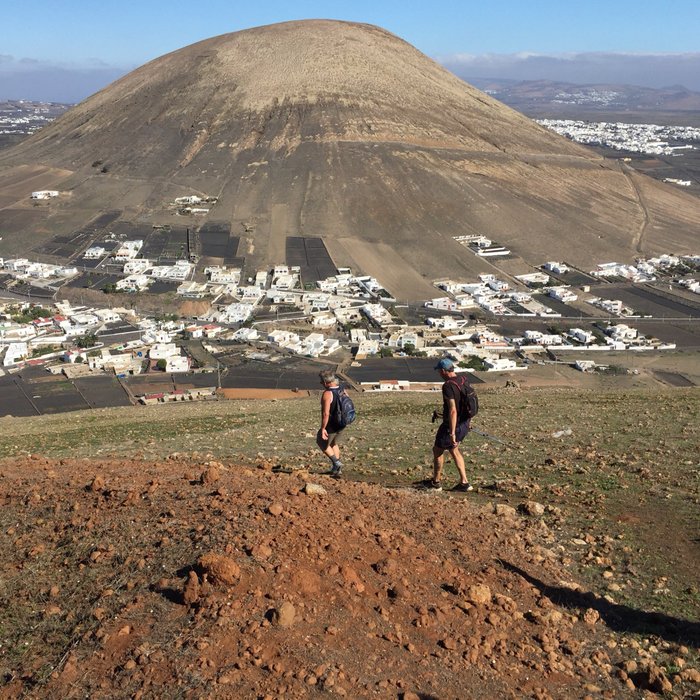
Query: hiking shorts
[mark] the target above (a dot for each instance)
(333, 438)
(443, 440)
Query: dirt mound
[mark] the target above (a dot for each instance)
(134, 579)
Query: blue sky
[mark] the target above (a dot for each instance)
(75, 45)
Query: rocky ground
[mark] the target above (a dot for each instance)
(130, 569)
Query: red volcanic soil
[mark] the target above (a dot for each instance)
(184, 578)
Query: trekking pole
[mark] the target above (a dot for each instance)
(487, 436)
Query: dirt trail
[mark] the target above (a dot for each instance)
(630, 174)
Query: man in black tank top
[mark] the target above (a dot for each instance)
(451, 431)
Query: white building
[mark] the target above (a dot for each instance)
(497, 285)
(177, 363)
(133, 283)
(234, 313)
(244, 335)
(562, 293)
(367, 347)
(178, 272)
(499, 364)
(128, 250)
(192, 290)
(107, 315)
(16, 265)
(44, 194)
(442, 304)
(582, 336)
(94, 253)
(377, 313)
(559, 268)
(284, 282)
(161, 351)
(223, 275)
(324, 320)
(16, 352)
(534, 278)
(622, 332)
(137, 267)
(261, 279)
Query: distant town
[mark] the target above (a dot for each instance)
(23, 117)
(651, 139)
(344, 318)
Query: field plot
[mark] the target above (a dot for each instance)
(13, 398)
(129, 230)
(216, 241)
(403, 368)
(311, 255)
(30, 290)
(20, 220)
(164, 245)
(647, 301)
(119, 333)
(70, 245)
(102, 391)
(560, 307)
(157, 382)
(34, 391)
(684, 335)
(672, 378)
(263, 375)
(573, 277)
(50, 393)
(94, 280)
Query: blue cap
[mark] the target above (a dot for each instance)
(445, 364)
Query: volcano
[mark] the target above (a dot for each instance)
(335, 131)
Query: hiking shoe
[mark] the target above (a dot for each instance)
(336, 471)
(463, 487)
(430, 485)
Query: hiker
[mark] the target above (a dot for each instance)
(452, 430)
(329, 433)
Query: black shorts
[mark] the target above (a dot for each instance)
(443, 439)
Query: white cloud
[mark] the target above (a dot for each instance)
(645, 69)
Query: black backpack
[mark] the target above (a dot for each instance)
(468, 400)
(342, 409)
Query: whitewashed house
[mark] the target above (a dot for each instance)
(137, 266)
(192, 290)
(133, 283)
(581, 336)
(234, 313)
(94, 253)
(162, 351)
(558, 268)
(562, 293)
(44, 194)
(244, 335)
(499, 364)
(16, 352)
(177, 363)
(128, 250)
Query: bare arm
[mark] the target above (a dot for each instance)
(326, 401)
(452, 415)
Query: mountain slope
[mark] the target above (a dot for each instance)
(344, 131)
